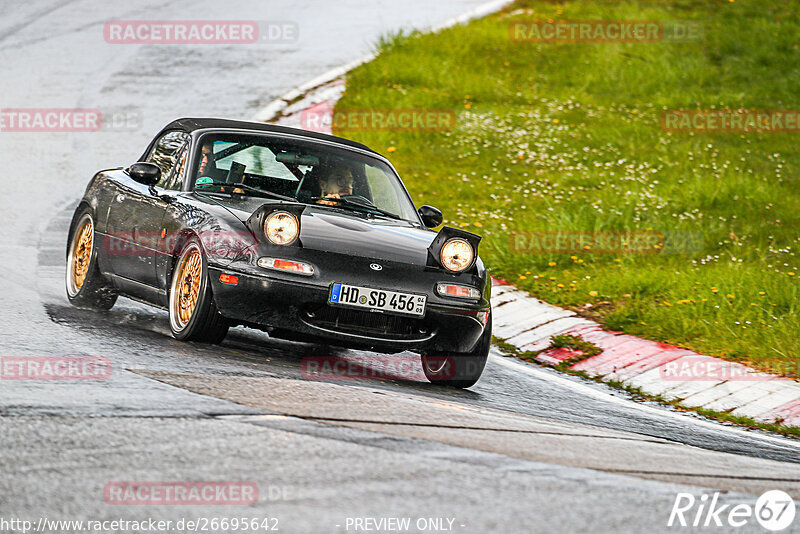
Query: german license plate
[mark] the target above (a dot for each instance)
(377, 299)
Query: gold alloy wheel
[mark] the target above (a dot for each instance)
(187, 286)
(82, 254)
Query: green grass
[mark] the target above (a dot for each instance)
(575, 343)
(566, 137)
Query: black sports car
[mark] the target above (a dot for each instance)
(308, 236)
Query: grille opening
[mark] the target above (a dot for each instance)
(366, 322)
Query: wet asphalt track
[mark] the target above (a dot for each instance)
(139, 336)
(526, 449)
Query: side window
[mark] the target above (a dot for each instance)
(175, 182)
(165, 154)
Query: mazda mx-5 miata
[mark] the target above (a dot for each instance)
(308, 236)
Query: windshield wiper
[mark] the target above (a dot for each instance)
(365, 204)
(249, 188)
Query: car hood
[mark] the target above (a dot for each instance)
(345, 232)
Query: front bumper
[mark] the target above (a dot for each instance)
(297, 308)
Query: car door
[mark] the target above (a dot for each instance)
(136, 212)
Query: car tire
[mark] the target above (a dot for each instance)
(459, 370)
(86, 286)
(193, 316)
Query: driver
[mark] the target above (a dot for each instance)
(337, 183)
(207, 172)
(207, 164)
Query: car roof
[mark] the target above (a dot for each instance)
(191, 124)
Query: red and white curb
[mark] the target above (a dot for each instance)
(675, 374)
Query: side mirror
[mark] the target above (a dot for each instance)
(431, 217)
(145, 173)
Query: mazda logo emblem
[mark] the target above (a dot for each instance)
(375, 267)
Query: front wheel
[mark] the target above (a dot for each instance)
(193, 316)
(457, 369)
(86, 286)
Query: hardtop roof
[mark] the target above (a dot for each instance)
(191, 124)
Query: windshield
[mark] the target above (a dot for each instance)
(307, 172)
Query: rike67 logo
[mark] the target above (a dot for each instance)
(774, 511)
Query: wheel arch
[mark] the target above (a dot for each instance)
(83, 204)
(181, 239)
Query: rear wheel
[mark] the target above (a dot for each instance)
(86, 286)
(193, 316)
(459, 370)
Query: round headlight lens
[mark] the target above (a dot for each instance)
(457, 254)
(282, 228)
